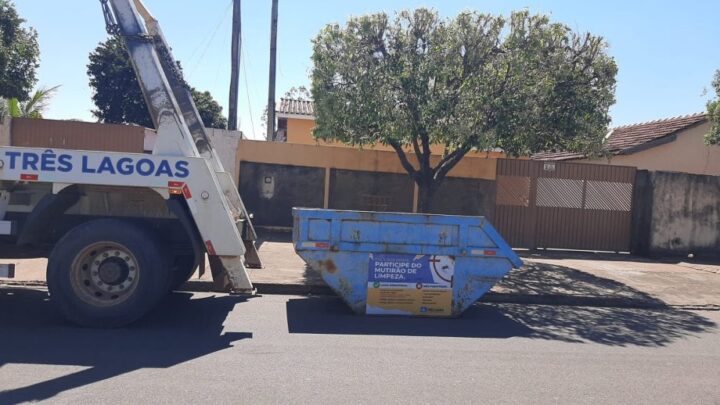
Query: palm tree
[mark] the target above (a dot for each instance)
(33, 108)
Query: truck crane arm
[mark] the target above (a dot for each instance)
(177, 121)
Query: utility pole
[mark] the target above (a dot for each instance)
(235, 67)
(273, 62)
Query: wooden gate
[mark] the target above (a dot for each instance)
(564, 205)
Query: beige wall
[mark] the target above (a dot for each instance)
(299, 131)
(351, 159)
(687, 154)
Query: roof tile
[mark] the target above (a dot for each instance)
(299, 107)
(625, 138)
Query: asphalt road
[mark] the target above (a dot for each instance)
(200, 348)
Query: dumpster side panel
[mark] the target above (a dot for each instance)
(351, 286)
(475, 277)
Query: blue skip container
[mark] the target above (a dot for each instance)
(403, 264)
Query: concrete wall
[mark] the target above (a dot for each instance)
(347, 178)
(473, 166)
(226, 144)
(680, 214)
(271, 191)
(460, 196)
(687, 154)
(370, 191)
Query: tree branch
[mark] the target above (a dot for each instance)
(403, 159)
(449, 161)
(416, 148)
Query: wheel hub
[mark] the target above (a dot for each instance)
(113, 271)
(105, 273)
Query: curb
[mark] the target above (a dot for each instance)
(490, 297)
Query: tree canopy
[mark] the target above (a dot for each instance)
(713, 109)
(117, 95)
(522, 84)
(19, 54)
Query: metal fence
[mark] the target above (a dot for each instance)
(564, 205)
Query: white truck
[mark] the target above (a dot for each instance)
(121, 230)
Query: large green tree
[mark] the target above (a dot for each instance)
(713, 109)
(477, 81)
(117, 95)
(19, 54)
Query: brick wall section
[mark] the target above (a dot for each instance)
(52, 134)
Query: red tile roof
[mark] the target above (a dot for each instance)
(296, 107)
(625, 139)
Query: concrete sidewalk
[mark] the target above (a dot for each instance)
(553, 278)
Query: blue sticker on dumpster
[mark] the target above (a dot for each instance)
(410, 284)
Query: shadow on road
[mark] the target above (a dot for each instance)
(597, 309)
(329, 315)
(608, 326)
(180, 330)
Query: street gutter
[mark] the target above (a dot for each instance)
(490, 297)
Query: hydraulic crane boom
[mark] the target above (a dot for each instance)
(179, 126)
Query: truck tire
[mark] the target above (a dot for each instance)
(183, 269)
(107, 273)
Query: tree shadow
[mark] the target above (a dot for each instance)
(179, 330)
(553, 281)
(608, 326)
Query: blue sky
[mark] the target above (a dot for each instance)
(667, 51)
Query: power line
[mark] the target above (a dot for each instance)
(212, 38)
(207, 35)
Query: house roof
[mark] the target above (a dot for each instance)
(632, 138)
(296, 107)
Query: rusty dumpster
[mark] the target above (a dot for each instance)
(403, 264)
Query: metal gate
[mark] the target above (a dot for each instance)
(564, 205)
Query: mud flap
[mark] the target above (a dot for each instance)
(229, 275)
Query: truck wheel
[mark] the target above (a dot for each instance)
(107, 273)
(183, 269)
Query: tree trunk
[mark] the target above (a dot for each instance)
(426, 192)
